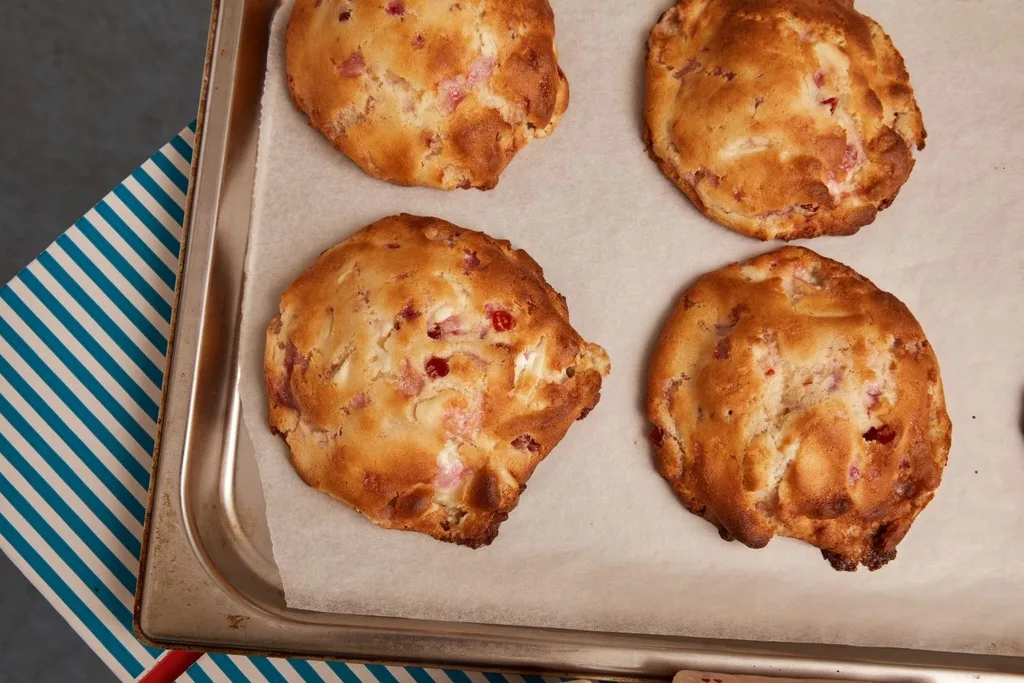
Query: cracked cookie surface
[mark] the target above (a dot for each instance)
(416, 92)
(780, 119)
(789, 395)
(419, 372)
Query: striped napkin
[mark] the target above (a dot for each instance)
(83, 338)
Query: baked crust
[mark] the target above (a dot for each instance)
(419, 372)
(780, 119)
(439, 94)
(791, 396)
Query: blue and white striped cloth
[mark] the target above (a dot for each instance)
(83, 338)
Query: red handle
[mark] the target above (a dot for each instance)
(169, 666)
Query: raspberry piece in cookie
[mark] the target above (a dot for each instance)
(825, 420)
(780, 119)
(416, 92)
(421, 392)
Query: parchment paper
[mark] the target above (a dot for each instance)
(598, 541)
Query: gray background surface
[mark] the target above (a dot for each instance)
(90, 90)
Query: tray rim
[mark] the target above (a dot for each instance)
(172, 342)
(394, 637)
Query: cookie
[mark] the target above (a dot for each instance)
(439, 94)
(790, 396)
(780, 119)
(419, 372)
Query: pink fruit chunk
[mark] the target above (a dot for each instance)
(353, 66)
(525, 442)
(448, 327)
(502, 320)
(883, 435)
(449, 475)
(437, 367)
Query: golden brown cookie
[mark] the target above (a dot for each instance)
(417, 92)
(791, 396)
(780, 118)
(419, 372)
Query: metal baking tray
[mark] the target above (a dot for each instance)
(207, 578)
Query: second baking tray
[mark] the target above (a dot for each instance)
(208, 578)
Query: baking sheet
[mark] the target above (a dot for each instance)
(598, 541)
